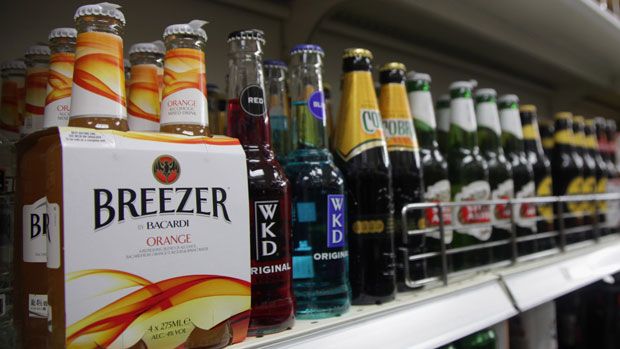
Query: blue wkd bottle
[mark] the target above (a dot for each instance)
(320, 251)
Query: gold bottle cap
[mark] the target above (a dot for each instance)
(589, 122)
(393, 66)
(578, 119)
(563, 115)
(527, 108)
(355, 52)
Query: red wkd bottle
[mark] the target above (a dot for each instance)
(270, 205)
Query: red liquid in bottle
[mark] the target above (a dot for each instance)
(270, 217)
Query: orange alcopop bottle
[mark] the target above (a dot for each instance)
(144, 93)
(58, 99)
(13, 78)
(184, 102)
(37, 63)
(98, 94)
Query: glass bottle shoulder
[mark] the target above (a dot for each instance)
(263, 169)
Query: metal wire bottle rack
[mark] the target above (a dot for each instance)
(600, 217)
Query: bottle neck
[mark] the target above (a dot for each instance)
(512, 132)
(62, 45)
(489, 129)
(147, 58)
(531, 133)
(421, 104)
(463, 127)
(308, 100)
(247, 112)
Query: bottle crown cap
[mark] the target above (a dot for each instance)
(194, 27)
(589, 122)
(566, 115)
(485, 92)
(527, 108)
(148, 47)
(62, 33)
(357, 52)
(105, 9)
(509, 98)
(303, 48)
(247, 34)
(274, 63)
(578, 119)
(42, 50)
(461, 84)
(393, 66)
(414, 76)
(13, 64)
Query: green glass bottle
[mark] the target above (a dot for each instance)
(442, 107)
(500, 170)
(434, 165)
(469, 177)
(486, 339)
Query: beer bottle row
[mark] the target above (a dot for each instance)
(325, 193)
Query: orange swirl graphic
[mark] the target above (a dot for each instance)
(60, 76)
(9, 107)
(184, 68)
(144, 92)
(193, 301)
(99, 65)
(36, 83)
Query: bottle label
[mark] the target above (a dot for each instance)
(397, 122)
(36, 83)
(526, 212)
(487, 116)
(545, 188)
(530, 133)
(184, 99)
(53, 236)
(510, 121)
(11, 105)
(589, 187)
(336, 231)
(548, 143)
(473, 214)
(268, 236)
(437, 192)
(462, 114)
(501, 212)
(98, 77)
(144, 93)
(316, 105)
(562, 137)
(37, 306)
(252, 100)
(421, 104)
(575, 187)
(443, 119)
(601, 188)
(35, 224)
(359, 124)
(58, 99)
(162, 255)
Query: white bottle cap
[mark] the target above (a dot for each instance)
(62, 33)
(101, 9)
(485, 91)
(461, 84)
(192, 28)
(13, 64)
(148, 47)
(510, 98)
(42, 50)
(418, 76)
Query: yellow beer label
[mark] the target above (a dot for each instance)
(529, 133)
(369, 227)
(548, 142)
(575, 187)
(359, 121)
(545, 188)
(601, 188)
(396, 115)
(564, 137)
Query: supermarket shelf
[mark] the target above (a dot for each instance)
(435, 316)
(540, 281)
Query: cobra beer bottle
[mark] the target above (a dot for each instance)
(469, 176)
(145, 85)
(37, 63)
(270, 206)
(610, 172)
(589, 174)
(11, 103)
(60, 79)
(500, 170)
(361, 154)
(320, 251)
(443, 123)
(98, 91)
(542, 172)
(184, 100)
(282, 138)
(567, 171)
(434, 165)
(591, 145)
(522, 173)
(402, 145)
